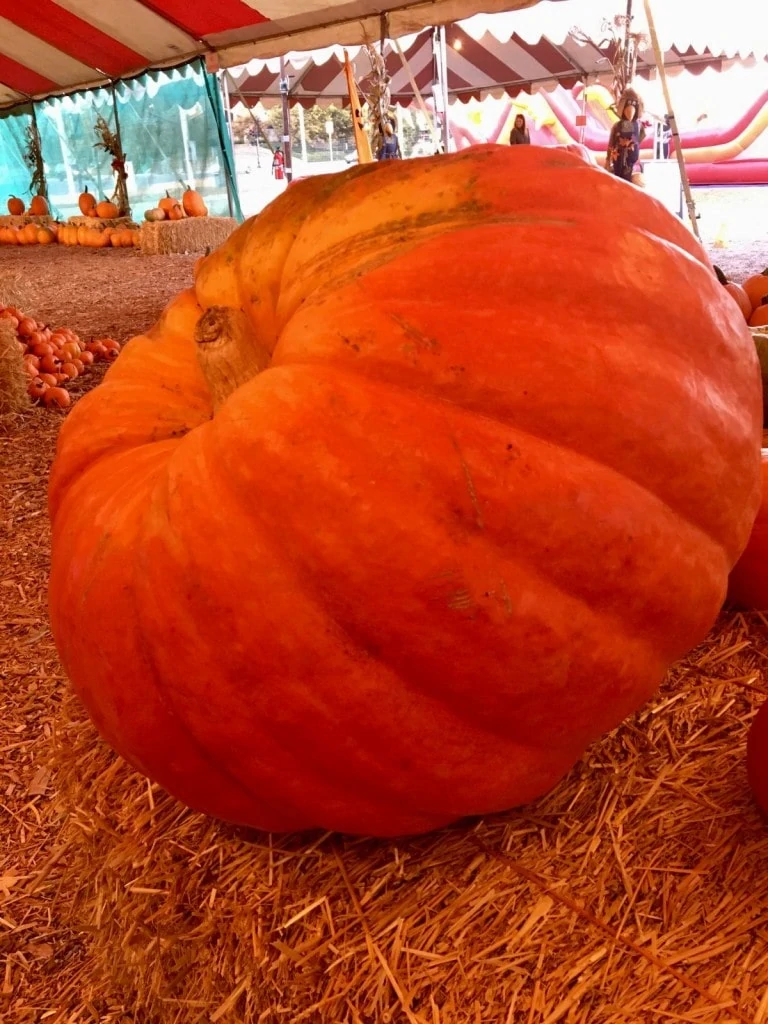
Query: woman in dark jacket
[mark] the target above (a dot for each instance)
(519, 135)
(626, 135)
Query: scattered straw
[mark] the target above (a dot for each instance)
(95, 292)
(195, 234)
(633, 892)
(13, 380)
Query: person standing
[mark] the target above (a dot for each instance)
(390, 146)
(624, 141)
(519, 135)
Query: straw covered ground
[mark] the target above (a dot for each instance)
(635, 892)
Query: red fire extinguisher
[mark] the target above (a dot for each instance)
(278, 164)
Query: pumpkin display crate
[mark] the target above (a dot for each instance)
(192, 234)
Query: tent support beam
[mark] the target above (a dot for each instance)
(673, 123)
(627, 46)
(287, 152)
(416, 93)
(257, 123)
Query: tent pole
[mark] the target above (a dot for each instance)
(286, 123)
(442, 74)
(416, 92)
(221, 84)
(256, 121)
(627, 44)
(673, 123)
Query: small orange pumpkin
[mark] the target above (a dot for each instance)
(193, 203)
(36, 388)
(87, 203)
(45, 237)
(167, 202)
(756, 287)
(748, 582)
(16, 206)
(27, 327)
(176, 212)
(56, 398)
(107, 210)
(759, 317)
(39, 206)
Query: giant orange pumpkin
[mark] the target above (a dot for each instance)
(418, 491)
(748, 585)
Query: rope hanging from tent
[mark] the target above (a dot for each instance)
(417, 94)
(673, 123)
(259, 126)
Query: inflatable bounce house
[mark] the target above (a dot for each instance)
(731, 154)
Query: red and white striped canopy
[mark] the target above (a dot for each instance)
(483, 60)
(51, 46)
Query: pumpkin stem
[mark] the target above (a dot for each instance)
(229, 354)
(720, 276)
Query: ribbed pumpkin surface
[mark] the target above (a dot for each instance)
(490, 486)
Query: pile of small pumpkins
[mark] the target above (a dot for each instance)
(54, 358)
(751, 296)
(37, 208)
(29, 234)
(98, 238)
(95, 236)
(191, 204)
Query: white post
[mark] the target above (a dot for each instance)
(302, 133)
(185, 141)
(443, 73)
(329, 129)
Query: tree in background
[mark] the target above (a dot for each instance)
(315, 119)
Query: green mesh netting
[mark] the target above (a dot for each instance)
(14, 173)
(67, 139)
(170, 125)
(173, 131)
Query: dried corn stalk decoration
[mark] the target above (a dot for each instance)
(377, 96)
(621, 48)
(110, 143)
(33, 158)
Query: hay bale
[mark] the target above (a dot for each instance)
(102, 222)
(13, 379)
(10, 221)
(194, 234)
(633, 892)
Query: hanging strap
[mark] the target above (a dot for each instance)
(673, 123)
(417, 94)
